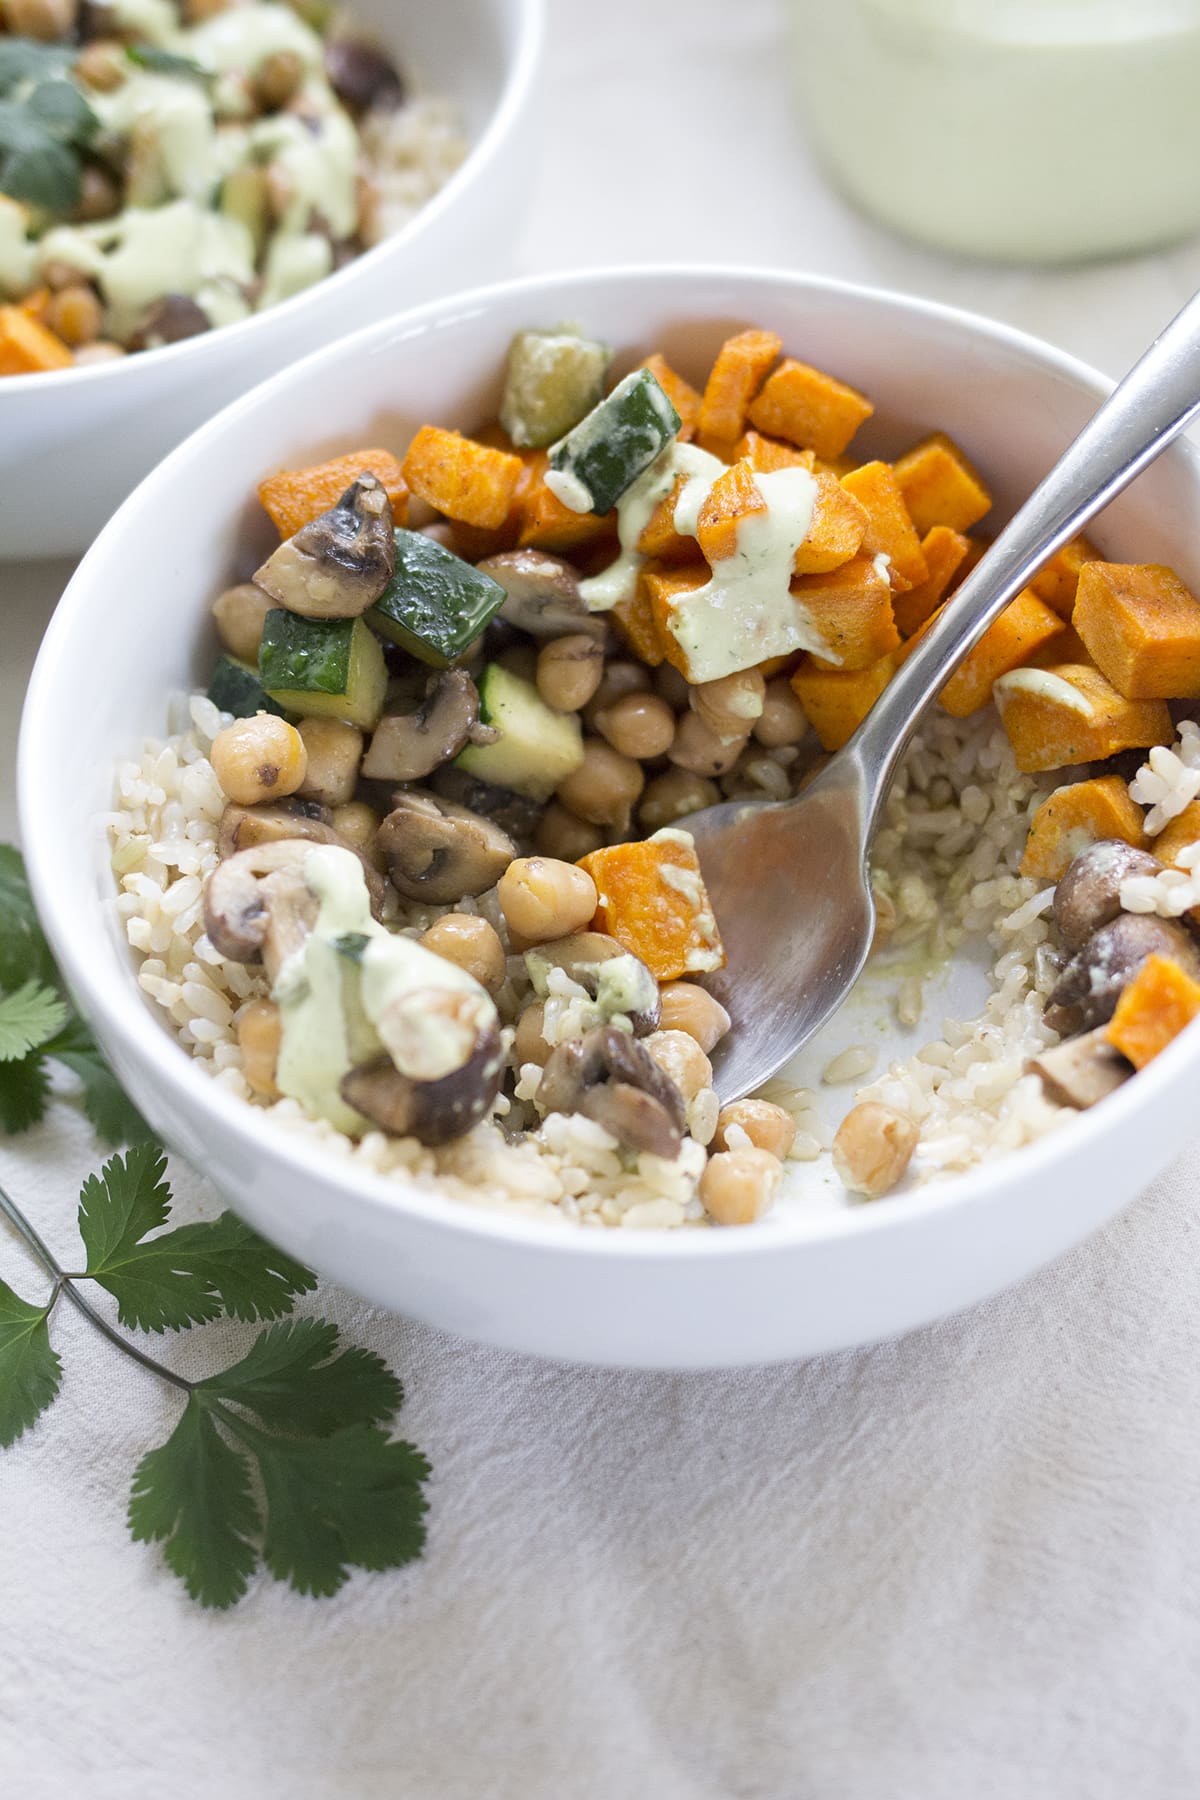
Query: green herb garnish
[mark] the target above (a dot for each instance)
(166, 62)
(42, 130)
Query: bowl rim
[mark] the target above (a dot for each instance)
(528, 43)
(142, 1037)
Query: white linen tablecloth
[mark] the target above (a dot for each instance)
(967, 1563)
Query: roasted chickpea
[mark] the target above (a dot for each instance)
(619, 678)
(542, 898)
(604, 787)
(686, 1007)
(239, 614)
(679, 1056)
(59, 274)
(471, 943)
(638, 725)
(702, 750)
(102, 65)
(357, 823)
(673, 795)
(561, 833)
(873, 1148)
(262, 758)
(45, 20)
(783, 720)
(259, 1030)
(738, 1186)
(670, 685)
(529, 1044)
(99, 195)
(277, 78)
(768, 1127)
(76, 314)
(730, 706)
(569, 670)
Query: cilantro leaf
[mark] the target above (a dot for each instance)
(25, 59)
(193, 1494)
(117, 1207)
(113, 1115)
(30, 1371)
(288, 1382)
(24, 1090)
(27, 1018)
(39, 137)
(166, 62)
(24, 952)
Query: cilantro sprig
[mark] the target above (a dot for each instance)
(45, 123)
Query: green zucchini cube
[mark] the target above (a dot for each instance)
(323, 668)
(553, 379)
(234, 687)
(607, 451)
(535, 747)
(435, 605)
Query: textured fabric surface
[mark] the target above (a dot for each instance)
(967, 1563)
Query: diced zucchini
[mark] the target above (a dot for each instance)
(435, 605)
(554, 379)
(537, 747)
(323, 668)
(235, 688)
(592, 466)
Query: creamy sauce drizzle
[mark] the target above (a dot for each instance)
(634, 510)
(1044, 686)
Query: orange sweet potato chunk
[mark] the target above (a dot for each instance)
(680, 393)
(293, 497)
(836, 529)
(636, 623)
(1142, 627)
(736, 377)
(733, 496)
(836, 700)
(1058, 717)
(546, 524)
(663, 588)
(461, 478)
(1153, 1009)
(1009, 643)
(1072, 818)
(27, 347)
(809, 408)
(766, 453)
(652, 899)
(889, 530)
(944, 551)
(851, 607)
(940, 486)
(660, 538)
(1057, 581)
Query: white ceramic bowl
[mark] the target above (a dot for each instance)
(75, 442)
(134, 624)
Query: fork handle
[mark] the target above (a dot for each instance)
(1158, 398)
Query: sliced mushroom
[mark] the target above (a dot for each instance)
(337, 565)
(438, 852)
(543, 594)
(362, 76)
(169, 321)
(585, 957)
(608, 1077)
(1088, 895)
(1090, 986)
(1081, 1071)
(407, 746)
(258, 904)
(245, 827)
(442, 1069)
(515, 814)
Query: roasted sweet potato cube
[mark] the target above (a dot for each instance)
(680, 393)
(1009, 643)
(635, 621)
(652, 899)
(663, 588)
(1153, 1009)
(835, 531)
(733, 496)
(851, 607)
(766, 454)
(736, 377)
(723, 448)
(1142, 628)
(838, 700)
(1179, 833)
(1065, 647)
(546, 524)
(1057, 581)
(461, 478)
(295, 496)
(1069, 714)
(1072, 818)
(940, 486)
(889, 529)
(944, 551)
(809, 408)
(660, 538)
(27, 347)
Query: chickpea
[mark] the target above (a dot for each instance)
(262, 758)
(281, 189)
(783, 720)
(569, 670)
(604, 787)
(102, 65)
(680, 1057)
(333, 751)
(45, 20)
(99, 195)
(357, 823)
(239, 614)
(542, 898)
(670, 685)
(529, 1044)
(702, 750)
(619, 678)
(768, 1127)
(638, 725)
(471, 943)
(101, 351)
(76, 315)
(730, 705)
(196, 11)
(561, 834)
(686, 1007)
(278, 77)
(738, 1186)
(259, 1030)
(873, 1147)
(673, 795)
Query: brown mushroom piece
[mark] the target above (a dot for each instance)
(515, 814)
(583, 957)
(543, 594)
(408, 746)
(432, 1084)
(246, 827)
(438, 851)
(1090, 985)
(337, 565)
(257, 904)
(1088, 895)
(169, 321)
(362, 76)
(1082, 1071)
(610, 1078)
